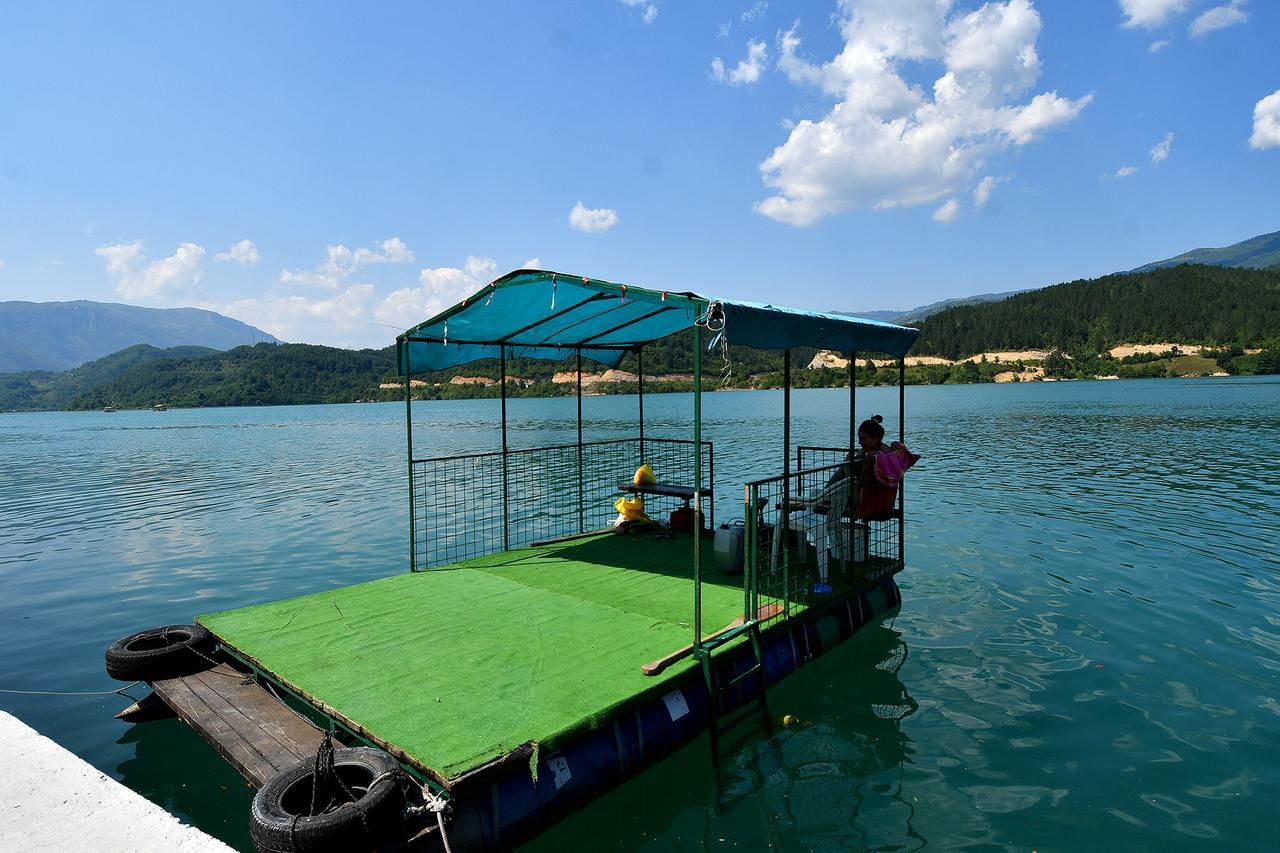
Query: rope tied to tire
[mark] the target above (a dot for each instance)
(324, 802)
(431, 802)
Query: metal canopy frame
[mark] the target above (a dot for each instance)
(708, 312)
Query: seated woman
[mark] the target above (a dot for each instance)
(882, 468)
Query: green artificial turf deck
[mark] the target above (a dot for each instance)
(460, 665)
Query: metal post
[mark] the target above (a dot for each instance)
(502, 393)
(697, 485)
(786, 474)
(902, 436)
(902, 400)
(582, 526)
(853, 414)
(640, 376)
(408, 425)
(748, 555)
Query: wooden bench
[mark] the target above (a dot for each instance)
(667, 490)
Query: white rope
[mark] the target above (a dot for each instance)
(432, 803)
(74, 693)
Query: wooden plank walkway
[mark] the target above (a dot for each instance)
(255, 731)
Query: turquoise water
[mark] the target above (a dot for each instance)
(1088, 652)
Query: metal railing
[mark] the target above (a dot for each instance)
(804, 545)
(483, 503)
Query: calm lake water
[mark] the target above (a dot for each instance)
(1088, 653)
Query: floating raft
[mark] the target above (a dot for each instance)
(514, 680)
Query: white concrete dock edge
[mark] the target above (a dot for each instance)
(52, 800)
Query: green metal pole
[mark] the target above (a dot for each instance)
(902, 436)
(786, 467)
(853, 396)
(697, 485)
(582, 526)
(502, 393)
(640, 376)
(748, 555)
(408, 425)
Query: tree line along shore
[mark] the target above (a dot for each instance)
(1190, 320)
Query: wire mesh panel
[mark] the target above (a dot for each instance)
(469, 506)
(806, 544)
(808, 456)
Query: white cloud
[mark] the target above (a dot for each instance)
(1218, 18)
(1125, 171)
(1266, 123)
(648, 9)
(341, 262)
(1161, 152)
(167, 280)
(888, 142)
(592, 221)
(756, 12)
(746, 71)
(244, 253)
(1151, 13)
(2, 265)
(982, 192)
(1157, 46)
(532, 264)
(948, 212)
(356, 315)
(340, 320)
(437, 289)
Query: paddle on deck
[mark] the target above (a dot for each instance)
(768, 611)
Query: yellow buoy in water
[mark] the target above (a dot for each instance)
(789, 720)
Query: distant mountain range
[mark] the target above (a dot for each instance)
(920, 312)
(1261, 252)
(61, 335)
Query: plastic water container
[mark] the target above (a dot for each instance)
(728, 547)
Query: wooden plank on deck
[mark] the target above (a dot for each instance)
(255, 731)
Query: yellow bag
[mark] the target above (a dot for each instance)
(630, 508)
(644, 476)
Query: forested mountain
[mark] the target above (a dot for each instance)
(1225, 309)
(43, 390)
(1194, 304)
(62, 335)
(265, 374)
(1261, 252)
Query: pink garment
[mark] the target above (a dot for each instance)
(892, 465)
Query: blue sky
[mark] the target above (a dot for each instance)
(381, 160)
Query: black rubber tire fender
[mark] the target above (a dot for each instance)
(278, 819)
(157, 653)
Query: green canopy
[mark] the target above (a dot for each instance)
(542, 314)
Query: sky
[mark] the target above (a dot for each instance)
(334, 173)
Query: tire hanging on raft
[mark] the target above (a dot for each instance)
(158, 653)
(343, 799)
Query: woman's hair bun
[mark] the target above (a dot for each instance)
(877, 418)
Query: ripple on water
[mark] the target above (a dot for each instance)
(1089, 645)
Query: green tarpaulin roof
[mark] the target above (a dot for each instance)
(542, 314)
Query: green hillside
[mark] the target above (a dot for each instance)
(1193, 304)
(1225, 309)
(1261, 252)
(264, 374)
(42, 390)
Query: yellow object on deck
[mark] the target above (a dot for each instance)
(644, 476)
(630, 508)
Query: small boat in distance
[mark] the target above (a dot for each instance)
(108, 409)
(160, 407)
